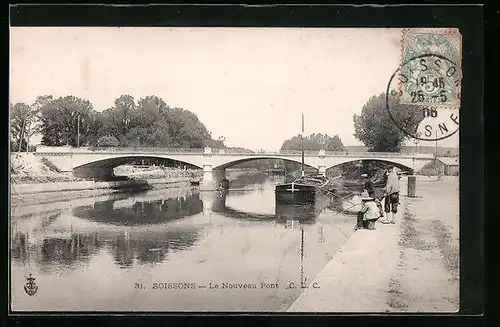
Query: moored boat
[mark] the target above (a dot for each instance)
(304, 189)
(297, 191)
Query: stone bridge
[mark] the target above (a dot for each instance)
(99, 163)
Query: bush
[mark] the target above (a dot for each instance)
(108, 141)
(50, 165)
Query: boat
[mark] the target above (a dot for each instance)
(297, 191)
(304, 189)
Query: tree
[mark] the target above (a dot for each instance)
(375, 128)
(149, 110)
(93, 127)
(34, 124)
(334, 144)
(218, 143)
(111, 123)
(124, 108)
(314, 142)
(187, 130)
(60, 119)
(19, 115)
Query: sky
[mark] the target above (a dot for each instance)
(249, 85)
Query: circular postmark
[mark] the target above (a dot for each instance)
(427, 87)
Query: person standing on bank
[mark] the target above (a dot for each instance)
(391, 196)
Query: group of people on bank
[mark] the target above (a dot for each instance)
(372, 197)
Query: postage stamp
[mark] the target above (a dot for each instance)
(430, 71)
(421, 121)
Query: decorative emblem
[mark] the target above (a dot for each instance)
(30, 288)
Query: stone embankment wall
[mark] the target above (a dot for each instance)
(89, 185)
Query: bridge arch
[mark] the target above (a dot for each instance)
(231, 163)
(103, 168)
(395, 163)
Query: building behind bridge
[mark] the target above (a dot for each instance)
(447, 166)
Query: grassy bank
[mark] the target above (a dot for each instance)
(427, 276)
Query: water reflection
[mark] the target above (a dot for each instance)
(56, 250)
(299, 213)
(179, 235)
(137, 211)
(290, 214)
(241, 179)
(77, 249)
(219, 205)
(133, 230)
(141, 228)
(149, 248)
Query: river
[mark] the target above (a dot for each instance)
(173, 250)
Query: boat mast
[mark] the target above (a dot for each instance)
(302, 145)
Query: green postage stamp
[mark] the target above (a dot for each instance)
(430, 71)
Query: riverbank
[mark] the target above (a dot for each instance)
(412, 266)
(87, 189)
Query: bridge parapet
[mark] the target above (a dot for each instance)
(380, 155)
(230, 152)
(351, 154)
(53, 149)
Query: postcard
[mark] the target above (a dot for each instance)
(224, 169)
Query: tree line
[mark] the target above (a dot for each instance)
(69, 120)
(314, 142)
(150, 122)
